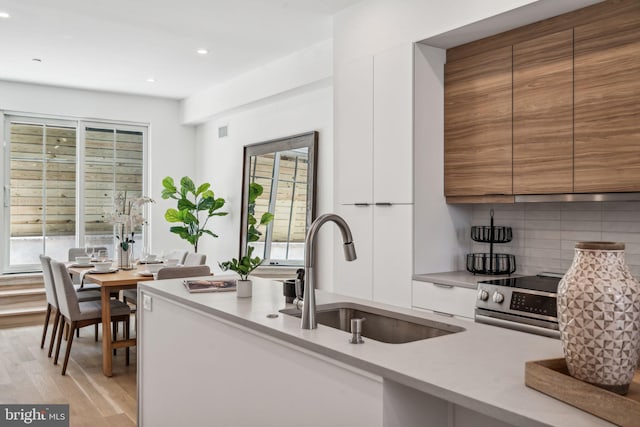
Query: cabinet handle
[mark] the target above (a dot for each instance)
(361, 204)
(440, 313)
(440, 285)
(383, 204)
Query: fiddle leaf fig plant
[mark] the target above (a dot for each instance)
(195, 207)
(253, 234)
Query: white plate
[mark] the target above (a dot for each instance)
(94, 271)
(144, 273)
(76, 265)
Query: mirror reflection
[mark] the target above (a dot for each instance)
(278, 202)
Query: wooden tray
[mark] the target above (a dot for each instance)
(552, 377)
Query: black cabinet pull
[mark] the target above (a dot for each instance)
(361, 204)
(383, 204)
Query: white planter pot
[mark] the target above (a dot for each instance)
(243, 288)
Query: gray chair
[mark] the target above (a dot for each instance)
(78, 314)
(76, 252)
(52, 300)
(179, 255)
(179, 272)
(131, 295)
(195, 259)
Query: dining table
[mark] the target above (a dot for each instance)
(110, 282)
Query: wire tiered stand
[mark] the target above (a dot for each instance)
(491, 263)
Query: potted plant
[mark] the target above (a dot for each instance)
(196, 206)
(246, 264)
(243, 267)
(127, 216)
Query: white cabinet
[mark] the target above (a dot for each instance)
(393, 125)
(195, 369)
(383, 238)
(444, 299)
(392, 254)
(373, 117)
(353, 124)
(374, 173)
(355, 278)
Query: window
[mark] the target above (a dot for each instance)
(283, 177)
(61, 177)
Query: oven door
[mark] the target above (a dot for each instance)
(518, 323)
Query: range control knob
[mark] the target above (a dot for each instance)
(483, 295)
(498, 297)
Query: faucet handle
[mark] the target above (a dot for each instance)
(356, 331)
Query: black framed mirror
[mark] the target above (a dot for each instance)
(279, 177)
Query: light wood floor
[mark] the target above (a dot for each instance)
(27, 375)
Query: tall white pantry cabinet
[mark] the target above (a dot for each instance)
(373, 122)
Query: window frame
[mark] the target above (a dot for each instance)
(80, 125)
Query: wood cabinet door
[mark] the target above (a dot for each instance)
(393, 125)
(353, 118)
(543, 115)
(607, 104)
(478, 124)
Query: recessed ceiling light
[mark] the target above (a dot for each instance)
(151, 80)
(202, 51)
(4, 15)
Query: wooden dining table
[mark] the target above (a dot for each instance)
(110, 282)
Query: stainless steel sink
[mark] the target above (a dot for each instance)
(380, 325)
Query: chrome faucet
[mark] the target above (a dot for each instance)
(309, 305)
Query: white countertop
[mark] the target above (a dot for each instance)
(481, 368)
(460, 278)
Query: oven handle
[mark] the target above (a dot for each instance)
(523, 327)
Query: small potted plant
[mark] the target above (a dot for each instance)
(243, 266)
(246, 264)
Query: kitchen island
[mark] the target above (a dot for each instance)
(214, 359)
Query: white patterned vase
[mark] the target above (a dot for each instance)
(599, 316)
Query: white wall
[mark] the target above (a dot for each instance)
(372, 26)
(277, 79)
(171, 145)
(441, 230)
(219, 161)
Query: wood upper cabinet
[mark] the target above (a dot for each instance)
(607, 104)
(477, 124)
(543, 114)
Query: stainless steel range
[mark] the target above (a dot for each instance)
(526, 303)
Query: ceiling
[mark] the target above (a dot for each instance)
(117, 45)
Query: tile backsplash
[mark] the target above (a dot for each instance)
(544, 234)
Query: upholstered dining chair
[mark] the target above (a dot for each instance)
(52, 300)
(78, 314)
(131, 295)
(76, 252)
(195, 259)
(179, 255)
(179, 272)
